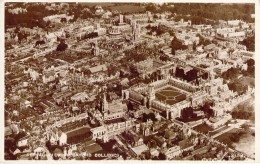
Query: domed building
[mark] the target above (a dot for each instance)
(114, 33)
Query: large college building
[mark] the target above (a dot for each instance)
(170, 95)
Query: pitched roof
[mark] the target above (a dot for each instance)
(92, 147)
(116, 107)
(210, 46)
(77, 132)
(98, 68)
(79, 96)
(201, 150)
(125, 81)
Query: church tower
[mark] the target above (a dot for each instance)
(121, 19)
(96, 49)
(133, 27)
(105, 103)
(151, 92)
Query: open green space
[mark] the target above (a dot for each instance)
(170, 96)
(245, 110)
(246, 144)
(230, 137)
(69, 56)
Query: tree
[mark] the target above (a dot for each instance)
(161, 156)
(159, 31)
(91, 35)
(203, 41)
(148, 27)
(230, 73)
(62, 47)
(63, 20)
(124, 155)
(249, 43)
(133, 70)
(39, 42)
(205, 75)
(237, 87)
(152, 116)
(194, 46)
(111, 71)
(179, 72)
(191, 75)
(165, 58)
(21, 37)
(130, 106)
(177, 45)
(145, 117)
(155, 16)
(250, 62)
(206, 108)
(187, 113)
(251, 71)
(109, 145)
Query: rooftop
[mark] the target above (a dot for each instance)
(98, 68)
(78, 131)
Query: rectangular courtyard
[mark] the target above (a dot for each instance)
(170, 95)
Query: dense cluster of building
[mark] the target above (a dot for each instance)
(92, 99)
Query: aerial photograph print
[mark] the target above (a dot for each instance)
(129, 81)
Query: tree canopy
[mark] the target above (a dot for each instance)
(249, 42)
(62, 47)
(189, 76)
(176, 44)
(201, 12)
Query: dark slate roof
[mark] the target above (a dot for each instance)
(92, 147)
(78, 132)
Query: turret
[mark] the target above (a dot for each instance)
(151, 92)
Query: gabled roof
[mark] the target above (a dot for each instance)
(98, 68)
(92, 147)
